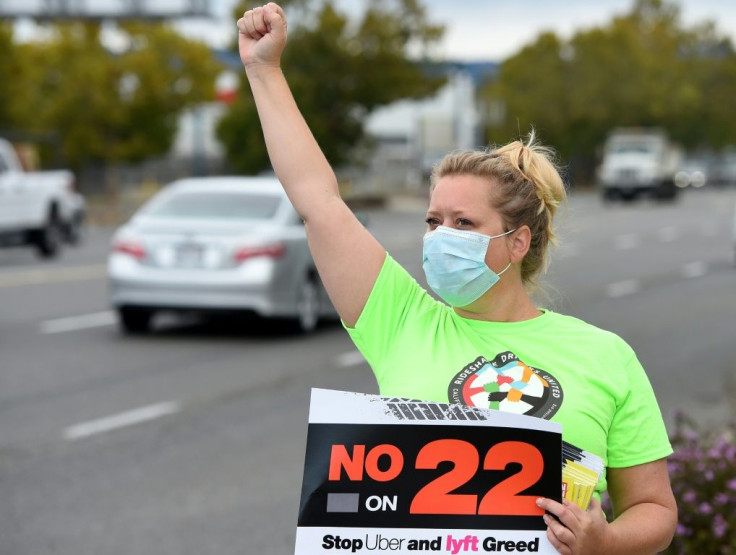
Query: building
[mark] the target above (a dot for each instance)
(408, 136)
(412, 135)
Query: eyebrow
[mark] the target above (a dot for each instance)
(454, 213)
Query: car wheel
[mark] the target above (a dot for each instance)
(74, 230)
(48, 239)
(307, 305)
(666, 191)
(135, 320)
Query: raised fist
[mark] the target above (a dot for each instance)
(262, 35)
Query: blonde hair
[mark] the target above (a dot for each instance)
(525, 187)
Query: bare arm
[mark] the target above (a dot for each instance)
(646, 512)
(646, 516)
(347, 256)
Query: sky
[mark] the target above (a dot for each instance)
(475, 30)
(491, 30)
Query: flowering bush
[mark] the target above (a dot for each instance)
(703, 474)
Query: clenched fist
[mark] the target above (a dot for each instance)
(262, 36)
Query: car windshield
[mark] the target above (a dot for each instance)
(216, 205)
(632, 148)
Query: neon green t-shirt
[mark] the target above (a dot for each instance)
(553, 366)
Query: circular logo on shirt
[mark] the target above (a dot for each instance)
(506, 384)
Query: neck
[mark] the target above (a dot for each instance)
(505, 302)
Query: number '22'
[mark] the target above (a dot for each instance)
(501, 499)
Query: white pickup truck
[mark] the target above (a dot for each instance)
(639, 162)
(40, 209)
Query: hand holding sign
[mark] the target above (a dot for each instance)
(585, 530)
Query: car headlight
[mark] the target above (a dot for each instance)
(697, 178)
(682, 179)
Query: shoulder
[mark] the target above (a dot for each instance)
(397, 299)
(565, 326)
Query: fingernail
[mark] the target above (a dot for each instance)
(539, 501)
(545, 518)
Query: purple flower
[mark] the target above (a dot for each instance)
(707, 458)
(720, 526)
(683, 530)
(720, 498)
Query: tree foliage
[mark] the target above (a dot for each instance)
(641, 69)
(9, 65)
(339, 71)
(110, 107)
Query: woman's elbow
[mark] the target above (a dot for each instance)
(669, 525)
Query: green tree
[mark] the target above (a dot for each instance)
(642, 69)
(532, 89)
(166, 74)
(713, 78)
(8, 68)
(69, 82)
(339, 72)
(110, 108)
(633, 72)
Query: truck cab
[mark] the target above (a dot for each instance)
(638, 162)
(38, 209)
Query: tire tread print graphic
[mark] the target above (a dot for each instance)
(408, 409)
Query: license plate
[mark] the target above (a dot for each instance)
(189, 255)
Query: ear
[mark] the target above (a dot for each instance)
(519, 242)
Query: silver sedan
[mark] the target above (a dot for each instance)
(216, 244)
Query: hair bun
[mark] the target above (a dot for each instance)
(536, 164)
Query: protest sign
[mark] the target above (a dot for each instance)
(387, 475)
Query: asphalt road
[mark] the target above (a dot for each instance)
(191, 440)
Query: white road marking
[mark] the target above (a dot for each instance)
(73, 323)
(624, 242)
(668, 234)
(353, 358)
(622, 288)
(57, 275)
(694, 269)
(121, 420)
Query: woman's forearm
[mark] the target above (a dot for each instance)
(295, 155)
(645, 528)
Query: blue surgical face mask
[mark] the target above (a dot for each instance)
(454, 263)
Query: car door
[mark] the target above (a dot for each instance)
(10, 201)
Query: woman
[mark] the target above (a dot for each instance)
(489, 224)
